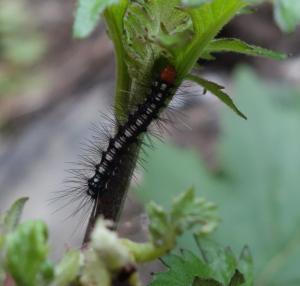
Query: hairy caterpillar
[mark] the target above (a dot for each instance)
(106, 164)
(137, 123)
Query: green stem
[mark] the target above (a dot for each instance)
(113, 17)
(147, 252)
(111, 202)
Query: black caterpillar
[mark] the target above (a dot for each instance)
(127, 134)
(95, 181)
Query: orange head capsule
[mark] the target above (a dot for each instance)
(168, 75)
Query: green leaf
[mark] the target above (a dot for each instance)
(246, 266)
(227, 264)
(237, 279)
(159, 227)
(208, 20)
(26, 254)
(218, 92)
(238, 46)
(182, 270)
(257, 186)
(88, 15)
(67, 270)
(13, 215)
(188, 269)
(222, 260)
(287, 14)
(188, 212)
(46, 273)
(205, 282)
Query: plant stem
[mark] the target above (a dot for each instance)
(123, 81)
(111, 201)
(147, 252)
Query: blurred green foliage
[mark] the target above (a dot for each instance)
(27, 252)
(24, 249)
(21, 45)
(257, 187)
(287, 14)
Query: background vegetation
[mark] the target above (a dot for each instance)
(253, 175)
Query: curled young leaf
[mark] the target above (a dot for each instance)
(187, 212)
(12, 217)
